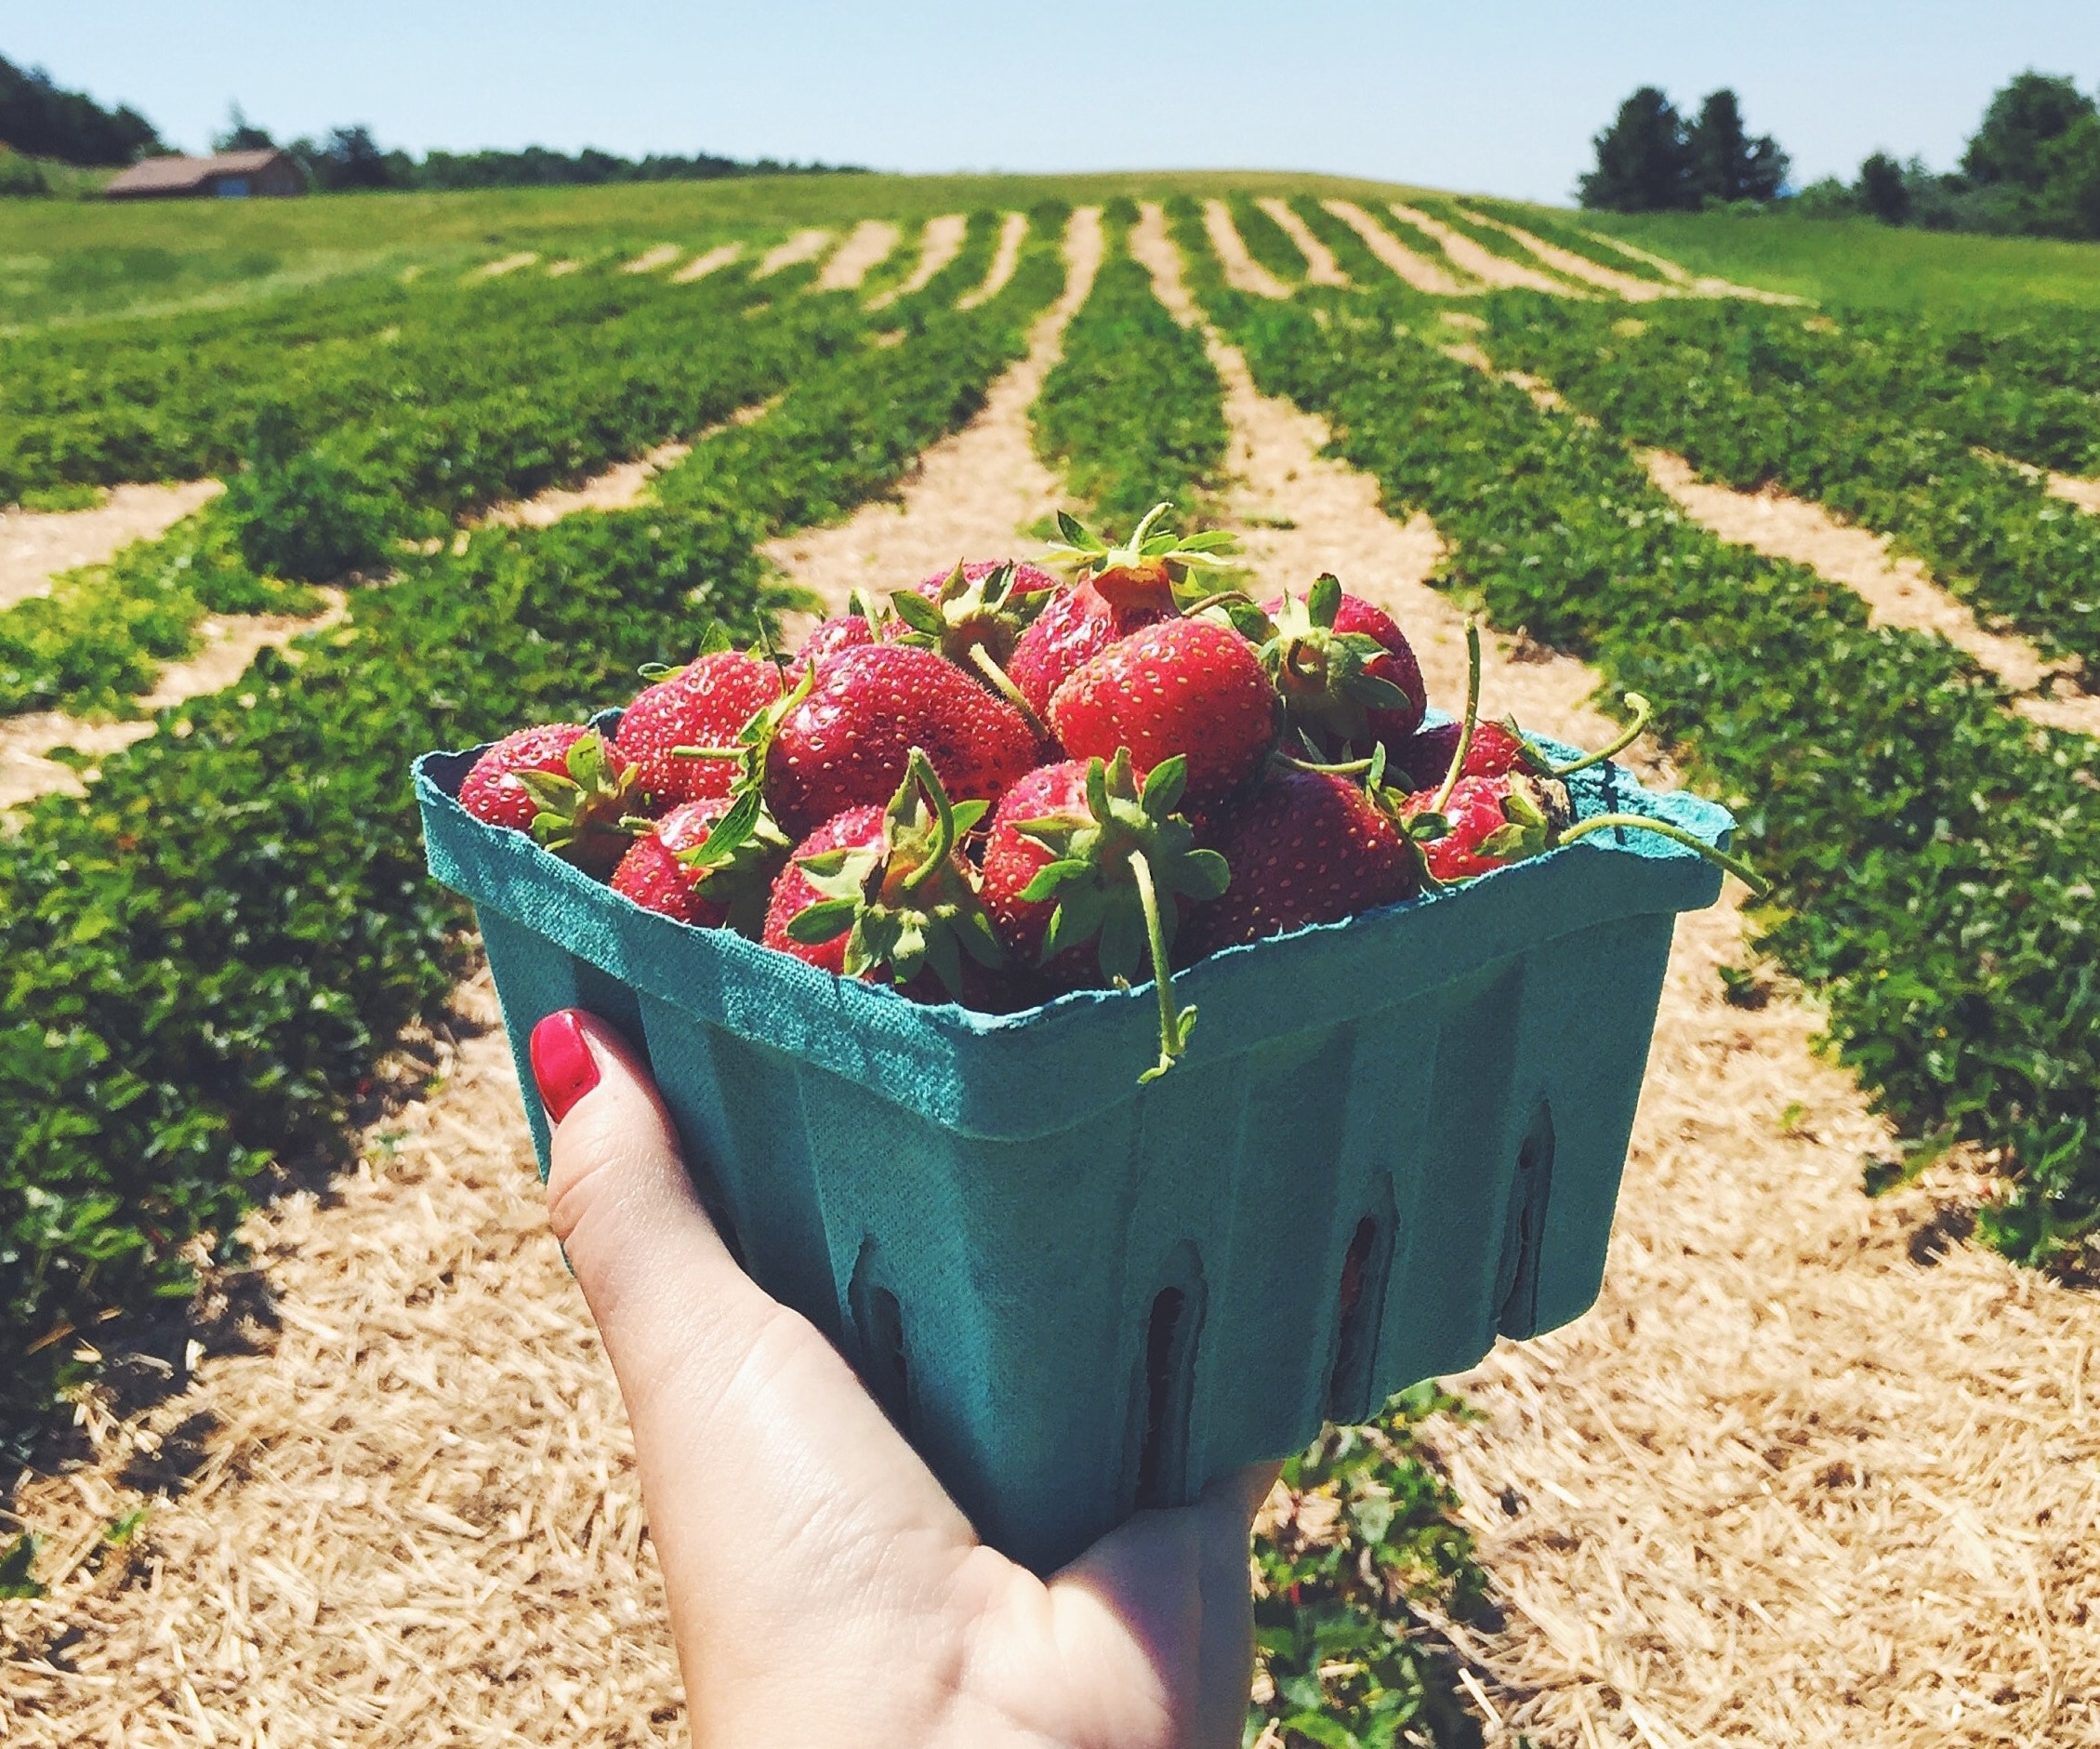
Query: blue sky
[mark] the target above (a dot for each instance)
(1496, 96)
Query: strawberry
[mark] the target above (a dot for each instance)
(1344, 671)
(1185, 686)
(1489, 821)
(1496, 750)
(828, 637)
(674, 868)
(974, 616)
(886, 894)
(557, 783)
(1119, 590)
(848, 742)
(1078, 862)
(701, 705)
(1305, 847)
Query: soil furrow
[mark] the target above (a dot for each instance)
(1243, 273)
(1410, 267)
(939, 244)
(36, 545)
(1321, 268)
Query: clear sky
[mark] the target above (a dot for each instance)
(1493, 96)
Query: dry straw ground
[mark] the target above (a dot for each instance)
(1812, 1470)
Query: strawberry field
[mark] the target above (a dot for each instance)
(224, 960)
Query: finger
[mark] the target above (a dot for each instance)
(1226, 1658)
(746, 1418)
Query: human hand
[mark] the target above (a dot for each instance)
(823, 1589)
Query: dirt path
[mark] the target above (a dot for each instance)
(1415, 268)
(1814, 1471)
(36, 545)
(508, 264)
(971, 493)
(619, 487)
(2085, 494)
(648, 261)
(1013, 231)
(1898, 592)
(1482, 263)
(1635, 291)
(227, 646)
(868, 244)
(708, 261)
(1321, 268)
(1243, 273)
(939, 244)
(804, 246)
(1669, 269)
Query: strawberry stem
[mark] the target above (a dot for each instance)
(1174, 1024)
(1644, 713)
(920, 770)
(1465, 727)
(1002, 683)
(1760, 887)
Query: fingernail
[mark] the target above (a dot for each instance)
(563, 1064)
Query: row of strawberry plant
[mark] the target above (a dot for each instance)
(1752, 397)
(1133, 413)
(1935, 853)
(96, 640)
(206, 955)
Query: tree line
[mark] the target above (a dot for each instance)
(38, 120)
(2032, 167)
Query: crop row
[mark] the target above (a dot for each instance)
(1934, 854)
(206, 954)
(1133, 412)
(391, 469)
(1749, 397)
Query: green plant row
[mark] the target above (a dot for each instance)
(443, 394)
(1749, 396)
(1567, 232)
(1133, 413)
(1265, 240)
(203, 959)
(98, 640)
(1934, 854)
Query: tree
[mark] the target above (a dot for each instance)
(242, 135)
(1882, 188)
(37, 118)
(1643, 158)
(2070, 192)
(349, 159)
(2022, 121)
(1725, 162)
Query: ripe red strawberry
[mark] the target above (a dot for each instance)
(1028, 579)
(1345, 671)
(1086, 820)
(1184, 686)
(887, 895)
(1306, 847)
(1491, 821)
(974, 616)
(1076, 623)
(1496, 752)
(675, 870)
(828, 637)
(558, 783)
(848, 743)
(703, 704)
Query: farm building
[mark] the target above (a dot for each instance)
(231, 175)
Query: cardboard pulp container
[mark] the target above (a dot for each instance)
(1079, 1297)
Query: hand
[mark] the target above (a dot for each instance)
(823, 1589)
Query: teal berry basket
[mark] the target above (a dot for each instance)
(1079, 1297)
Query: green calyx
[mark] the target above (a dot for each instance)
(739, 869)
(908, 904)
(1117, 867)
(1323, 676)
(580, 812)
(1145, 569)
(747, 794)
(965, 616)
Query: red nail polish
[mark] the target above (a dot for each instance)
(563, 1064)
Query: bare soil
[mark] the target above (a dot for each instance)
(1898, 590)
(1013, 231)
(1243, 273)
(1471, 257)
(804, 246)
(708, 261)
(1415, 268)
(2085, 494)
(1579, 267)
(939, 244)
(867, 248)
(36, 545)
(1321, 268)
(507, 264)
(648, 261)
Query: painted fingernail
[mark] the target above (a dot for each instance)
(563, 1064)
